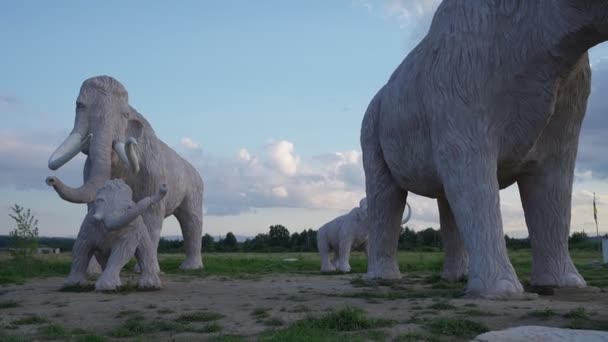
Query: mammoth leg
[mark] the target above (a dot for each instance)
(344, 248)
(81, 254)
(546, 199)
(153, 220)
(147, 259)
(385, 205)
(455, 258)
(324, 253)
(190, 218)
(468, 170)
(119, 256)
(546, 189)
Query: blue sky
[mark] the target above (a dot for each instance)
(265, 98)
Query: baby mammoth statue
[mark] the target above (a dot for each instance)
(114, 228)
(342, 234)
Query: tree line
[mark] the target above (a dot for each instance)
(279, 239)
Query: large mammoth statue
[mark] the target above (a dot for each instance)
(114, 228)
(107, 128)
(341, 235)
(495, 94)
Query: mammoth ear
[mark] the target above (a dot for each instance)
(134, 129)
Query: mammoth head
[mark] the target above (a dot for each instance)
(361, 211)
(112, 199)
(105, 124)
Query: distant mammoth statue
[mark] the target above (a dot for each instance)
(494, 94)
(120, 143)
(113, 228)
(342, 234)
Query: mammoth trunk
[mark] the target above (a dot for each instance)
(100, 171)
(131, 214)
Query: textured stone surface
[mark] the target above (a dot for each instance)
(121, 143)
(542, 334)
(113, 228)
(343, 233)
(479, 105)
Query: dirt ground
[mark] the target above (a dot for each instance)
(289, 298)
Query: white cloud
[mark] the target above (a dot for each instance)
(407, 10)
(189, 143)
(282, 157)
(280, 191)
(414, 14)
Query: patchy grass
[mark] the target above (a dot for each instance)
(577, 313)
(333, 326)
(260, 313)
(164, 311)
(53, 332)
(228, 338)
(299, 309)
(456, 327)
(200, 316)
(8, 304)
(125, 313)
(212, 328)
(442, 305)
(273, 322)
(29, 319)
(542, 314)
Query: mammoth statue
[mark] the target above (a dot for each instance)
(342, 234)
(495, 94)
(114, 229)
(120, 143)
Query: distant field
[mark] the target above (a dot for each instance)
(256, 264)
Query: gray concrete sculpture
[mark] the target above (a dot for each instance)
(114, 229)
(341, 235)
(494, 94)
(120, 143)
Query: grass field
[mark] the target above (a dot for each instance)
(280, 297)
(257, 264)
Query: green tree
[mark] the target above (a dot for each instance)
(279, 236)
(208, 243)
(230, 243)
(25, 235)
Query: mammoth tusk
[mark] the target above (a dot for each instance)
(66, 151)
(119, 148)
(409, 214)
(132, 154)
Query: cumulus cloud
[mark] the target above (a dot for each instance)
(415, 15)
(276, 176)
(189, 143)
(24, 157)
(281, 156)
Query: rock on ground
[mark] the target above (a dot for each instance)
(545, 334)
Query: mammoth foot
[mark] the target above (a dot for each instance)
(76, 280)
(569, 279)
(343, 268)
(383, 269)
(328, 268)
(149, 282)
(107, 284)
(494, 288)
(192, 264)
(453, 275)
